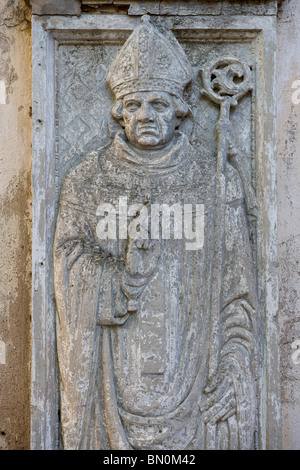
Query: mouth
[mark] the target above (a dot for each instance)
(148, 130)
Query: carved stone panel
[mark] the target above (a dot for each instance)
(154, 214)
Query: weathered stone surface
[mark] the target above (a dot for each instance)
(14, 12)
(192, 7)
(149, 290)
(15, 229)
(147, 328)
(288, 216)
(54, 7)
(15, 265)
(175, 8)
(257, 7)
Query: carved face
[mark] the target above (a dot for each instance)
(149, 119)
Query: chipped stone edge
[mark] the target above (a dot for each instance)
(44, 398)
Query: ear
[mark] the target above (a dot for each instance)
(117, 111)
(121, 122)
(178, 122)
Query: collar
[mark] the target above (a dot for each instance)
(174, 154)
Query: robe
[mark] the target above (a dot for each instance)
(137, 380)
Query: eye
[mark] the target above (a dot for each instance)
(159, 105)
(132, 106)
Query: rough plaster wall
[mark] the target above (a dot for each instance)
(289, 214)
(15, 238)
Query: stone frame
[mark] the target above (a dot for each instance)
(48, 33)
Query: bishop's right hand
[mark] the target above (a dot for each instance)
(142, 256)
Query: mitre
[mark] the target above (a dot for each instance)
(148, 61)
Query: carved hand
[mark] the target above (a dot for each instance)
(141, 257)
(220, 403)
(225, 127)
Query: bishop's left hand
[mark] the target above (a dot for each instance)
(220, 402)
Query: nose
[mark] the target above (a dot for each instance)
(145, 113)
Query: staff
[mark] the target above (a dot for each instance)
(225, 82)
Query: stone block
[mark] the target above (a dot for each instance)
(55, 7)
(144, 328)
(256, 7)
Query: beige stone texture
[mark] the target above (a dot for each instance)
(46, 67)
(15, 231)
(54, 7)
(15, 238)
(288, 127)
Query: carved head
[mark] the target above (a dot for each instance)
(149, 118)
(148, 78)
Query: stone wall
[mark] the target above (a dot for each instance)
(288, 77)
(15, 231)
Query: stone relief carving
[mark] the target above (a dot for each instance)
(156, 325)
